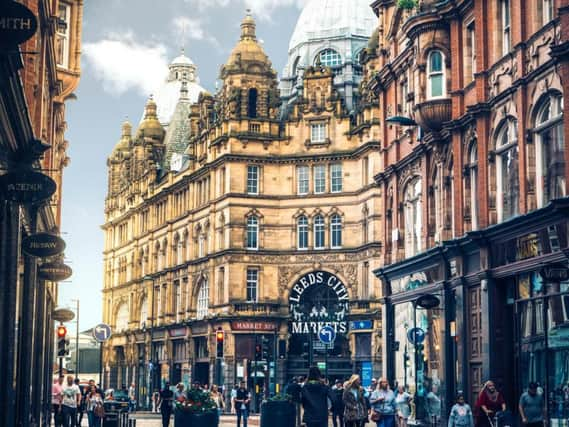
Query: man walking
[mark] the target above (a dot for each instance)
(531, 407)
(165, 403)
(132, 398)
(338, 404)
(56, 398)
(242, 401)
(70, 402)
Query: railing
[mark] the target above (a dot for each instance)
(250, 307)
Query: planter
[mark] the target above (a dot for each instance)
(277, 414)
(200, 419)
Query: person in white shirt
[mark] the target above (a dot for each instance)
(71, 400)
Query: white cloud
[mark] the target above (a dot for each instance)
(260, 8)
(122, 63)
(191, 28)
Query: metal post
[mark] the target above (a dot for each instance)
(77, 341)
(326, 361)
(416, 359)
(100, 366)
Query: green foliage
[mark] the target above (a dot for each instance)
(281, 397)
(197, 401)
(407, 4)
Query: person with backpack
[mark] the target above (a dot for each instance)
(355, 408)
(338, 404)
(314, 397)
(460, 413)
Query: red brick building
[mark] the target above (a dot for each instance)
(475, 162)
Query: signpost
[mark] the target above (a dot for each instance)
(101, 333)
(327, 335)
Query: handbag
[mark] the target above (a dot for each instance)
(99, 411)
(375, 416)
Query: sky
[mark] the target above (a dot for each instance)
(126, 47)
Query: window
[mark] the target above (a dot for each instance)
(319, 179)
(319, 232)
(62, 34)
(295, 66)
(507, 171)
(413, 217)
(318, 133)
(506, 36)
(201, 245)
(252, 284)
(302, 232)
(330, 58)
(336, 231)
(470, 51)
(157, 304)
(302, 179)
(143, 313)
(336, 177)
(252, 103)
(177, 301)
(180, 252)
(252, 232)
(438, 204)
(472, 173)
(252, 179)
(436, 75)
(547, 10)
(203, 300)
(122, 318)
(550, 153)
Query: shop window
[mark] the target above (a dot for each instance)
(413, 217)
(302, 232)
(319, 232)
(436, 75)
(252, 232)
(550, 151)
(330, 58)
(252, 284)
(252, 103)
(252, 180)
(302, 179)
(202, 308)
(507, 171)
(336, 183)
(336, 231)
(319, 179)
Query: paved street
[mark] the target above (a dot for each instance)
(146, 419)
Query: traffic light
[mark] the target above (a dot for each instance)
(266, 348)
(219, 335)
(258, 351)
(62, 341)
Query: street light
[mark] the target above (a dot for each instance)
(76, 338)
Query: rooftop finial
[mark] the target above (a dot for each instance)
(248, 27)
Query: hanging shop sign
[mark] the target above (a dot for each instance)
(428, 301)
(54, 271)
(318, 299)
(26, 186)
(17, 24)
(63, 315)
(43, 245)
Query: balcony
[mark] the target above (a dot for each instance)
(431, 115)
(256, 308)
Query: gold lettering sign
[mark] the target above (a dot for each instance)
(527, 246)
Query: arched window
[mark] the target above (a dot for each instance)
(202, 306)
(336, 231)
(330, 58)
(319, 232)
(413, 217)
(472, 173)
(507, 173)
(252, 103)
(550, 153)
(436, 75)
(302, 232)
(252, 232)
(180, 252)
(143, 312)
(121, 323)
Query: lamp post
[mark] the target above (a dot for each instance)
(76, 337)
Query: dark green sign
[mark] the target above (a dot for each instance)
(26, 186)
(43, 245)
(17, 24)
(54, 271)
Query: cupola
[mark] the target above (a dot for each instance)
(150, 126)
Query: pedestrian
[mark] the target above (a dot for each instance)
(460, 413)
(165, 401)
(383, 403)
(233, 396)
(56, 400)
(155, 399)
(532, 406)
(132, 398)
(338, 404)
(403, 403)
(293, 390)
(355, 412)
(81, 407)
(94, 406)
(433, 405)
(490, 401)
(242, 404)
(180, 394)
(70, 402)
(314, 397)
(217, 397)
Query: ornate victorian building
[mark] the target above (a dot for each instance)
(251, 215)
(474, 161)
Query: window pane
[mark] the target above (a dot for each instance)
(336, 177)
(436, 61)
(319, 179)
(252, 232)
(252, 284)
(509, 178)
(336, 231)
(302, 178)
(330, 58)
(302, 232)
(436, 85)
(318, 132)
(252, 179)
(318, 232)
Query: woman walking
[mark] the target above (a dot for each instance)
(460, 414)
(402, 401)
(355, 412)
(314, 397)
(95, 409)
(490, 401)
(217, 397)
(383, 402)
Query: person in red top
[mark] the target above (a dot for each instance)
(489, 402)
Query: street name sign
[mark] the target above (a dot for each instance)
(102, 332)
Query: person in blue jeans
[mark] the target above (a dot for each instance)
(242, 402)
(382, 400)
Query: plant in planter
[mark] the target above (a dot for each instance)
(278, 411)
(407, 4)
(197, 410)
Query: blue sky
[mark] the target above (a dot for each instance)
(127, 45)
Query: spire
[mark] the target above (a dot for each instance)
(248, 27)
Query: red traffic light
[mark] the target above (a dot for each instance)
(219, 336)
(61, 331)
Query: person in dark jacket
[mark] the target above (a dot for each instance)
(293, 390)
(314, 397)
(355, 410)
(166, 399)
(338, 404)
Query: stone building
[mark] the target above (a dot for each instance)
(264, 198)
(472, 97)
(36, 79)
